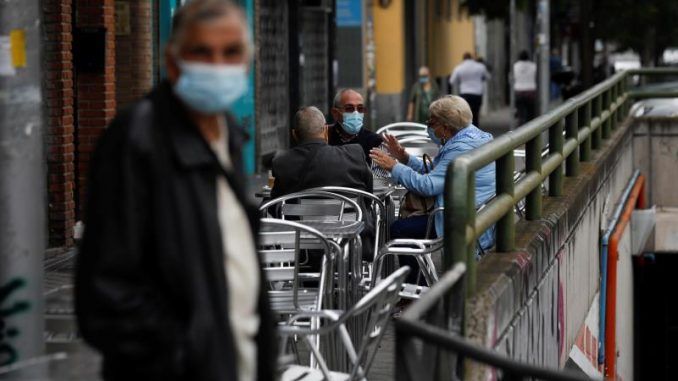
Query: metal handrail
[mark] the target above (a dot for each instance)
(439, 357)
(575, 129)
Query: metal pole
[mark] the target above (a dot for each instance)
(22, 189)
(585, 149)
(512, 59)
(506, 228)
(543, 42)
(572, 162)
(533, 164)
(556, 146)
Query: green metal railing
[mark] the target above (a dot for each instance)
(575, 129)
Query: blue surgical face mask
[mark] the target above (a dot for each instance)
(434, 138)
(423, 79)
(211, 89)
(353, 122)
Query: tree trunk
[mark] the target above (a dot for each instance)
(649, 48)
(587, 46)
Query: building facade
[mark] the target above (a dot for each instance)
(101, 55)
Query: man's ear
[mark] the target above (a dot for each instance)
(294, 135)
(336, 114)
(326, 134)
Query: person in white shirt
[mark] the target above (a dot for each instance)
(525, 87)
(469, 79)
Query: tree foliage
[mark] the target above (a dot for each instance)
(646, 26)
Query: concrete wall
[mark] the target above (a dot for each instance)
(531, 303)
(655, 146)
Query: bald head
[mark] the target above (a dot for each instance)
(309, 123)
(342, 95)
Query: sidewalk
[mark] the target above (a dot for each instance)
(497, 121)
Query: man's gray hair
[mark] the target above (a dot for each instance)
(452, 111)
(309, 122)
(337, 98)
(200, 11)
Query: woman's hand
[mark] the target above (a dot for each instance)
(396, 149)
(382, 159)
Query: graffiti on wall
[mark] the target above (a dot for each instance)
(8, 309)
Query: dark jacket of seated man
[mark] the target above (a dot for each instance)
(313, 163)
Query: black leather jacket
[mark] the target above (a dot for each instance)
(151, 290)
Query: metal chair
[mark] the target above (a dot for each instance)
(378, 304)
(403, 129)
(363, 199)
(313, 205)
(279, 245)
(421, 249)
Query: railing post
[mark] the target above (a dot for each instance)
(621, 92)
(572, 132)
(556, 146)
(615, 97)
(585, 152)
(460, 218)
(607, 124)
(597, 133)
(533, 150)
(506, 228)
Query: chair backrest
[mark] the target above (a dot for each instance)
(279, 246)
(364, 200)
(378, 304)
(400, 128)
(313, 205)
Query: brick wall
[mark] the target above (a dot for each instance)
(134, 54)
(95, 91)
(58, 61)
(81, 105)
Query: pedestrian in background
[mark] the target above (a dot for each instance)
(423, 92)
(525, 87)
(169, 284)
(469, 79)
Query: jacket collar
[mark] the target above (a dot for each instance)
(190, 148)
(309, 142)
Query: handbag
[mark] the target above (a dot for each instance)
(414, 204)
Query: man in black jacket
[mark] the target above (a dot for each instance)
(348, 113)
(314, 163)
(168, 283)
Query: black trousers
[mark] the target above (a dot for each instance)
(474, 100)
(525, 102)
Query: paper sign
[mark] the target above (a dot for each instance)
(6, 66)
(122, 19)
(17, 39)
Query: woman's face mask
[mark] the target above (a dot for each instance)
(432, 134)
(210, 88)
(423, 79)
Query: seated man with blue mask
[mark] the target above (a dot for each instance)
(348, 113)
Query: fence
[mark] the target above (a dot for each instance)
(429, 344)
(575, 130)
